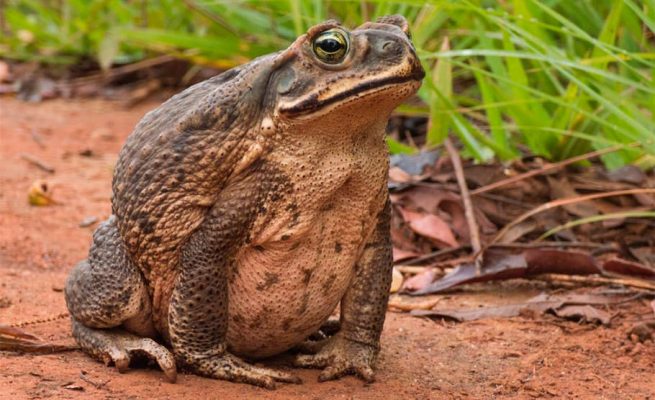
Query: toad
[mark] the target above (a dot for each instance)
(246, 208)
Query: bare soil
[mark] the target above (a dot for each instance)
(524, 357)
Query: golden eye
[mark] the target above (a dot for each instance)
(331, 46)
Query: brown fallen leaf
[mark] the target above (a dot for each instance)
(629, 173)
(430, 226)
(562, 189)
(496, 266)
(461, 315)
(420, 280)
(560, 262)
(404, 238)
(398, 175)
(518, 231)
(619, 266)
(424, 198)
(565, 306)
(533, 262)
(583, 313)
(400, 254)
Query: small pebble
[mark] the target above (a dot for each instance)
(88, 221)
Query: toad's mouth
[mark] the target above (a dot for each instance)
(313, 104)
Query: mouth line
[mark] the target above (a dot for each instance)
(313, 104)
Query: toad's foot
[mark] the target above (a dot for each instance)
(340, 356)
(119, 347)
(231, 368)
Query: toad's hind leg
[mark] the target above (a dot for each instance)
(110, 307)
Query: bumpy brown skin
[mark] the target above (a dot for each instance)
(245, 209)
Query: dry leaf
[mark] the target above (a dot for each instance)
(396, 281)
(583, 313)
(562, 189)
(398, 175)
(430, 226)
(400, 254)
(420, 280)
(565, 306)
(629, 268)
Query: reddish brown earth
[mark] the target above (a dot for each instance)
(525, 357)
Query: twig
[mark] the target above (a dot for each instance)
(435, 254)
(636, 283)
(37, 163)
(122, 70)
(474, 230)
(37, 138)
(503, 199)
(552, 167)
(563, 202)
(536, 245)
(545, 244)
(15, 339)
(40, 321)
(410, 269)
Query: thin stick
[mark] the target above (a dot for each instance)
(636, 283)
(563, 202)
(434, 254)
(545, 244)
(40, 320)
(536, 245)
(37, 163)
(552, 167)
(122, 70)
(474, 230)
(409, 269)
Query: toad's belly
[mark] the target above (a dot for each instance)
(282, 292)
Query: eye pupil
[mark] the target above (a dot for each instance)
(330, 45)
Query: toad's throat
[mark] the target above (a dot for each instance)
(313, 103)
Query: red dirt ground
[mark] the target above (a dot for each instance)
(538, 357)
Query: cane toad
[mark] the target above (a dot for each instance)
(247, 207)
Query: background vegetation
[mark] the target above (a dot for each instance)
(554, 77)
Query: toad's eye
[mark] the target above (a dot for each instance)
(331, 46)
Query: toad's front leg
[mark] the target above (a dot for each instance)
(198, 312)
(354, 348)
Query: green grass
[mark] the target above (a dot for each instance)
(555, 77)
